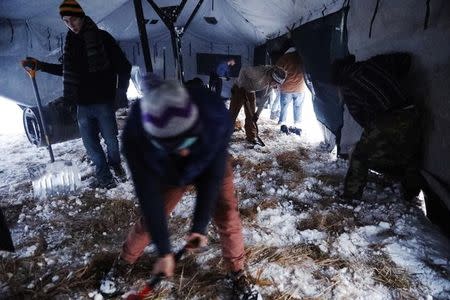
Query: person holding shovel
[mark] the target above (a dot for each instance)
(251, 80)
(96, 75)
(174, 137)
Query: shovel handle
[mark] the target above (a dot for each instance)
(30, 66)
(150, 286)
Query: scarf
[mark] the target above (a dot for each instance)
(97, 58)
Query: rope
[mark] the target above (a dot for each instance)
(373, 18)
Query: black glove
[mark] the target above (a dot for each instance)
(121, 99)
(32, 63)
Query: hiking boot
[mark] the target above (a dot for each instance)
(120, 173)
(103, 184)
(284, 129)
(242, 288)
(115, 281)
(252, 141)
(295, 130)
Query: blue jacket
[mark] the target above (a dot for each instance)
(153, 170)
(223, 69)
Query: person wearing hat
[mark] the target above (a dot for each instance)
(250, 80)
(174, 137)
(95, 75)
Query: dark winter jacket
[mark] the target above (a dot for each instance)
(91, 80)
(223, 69)
(152, 169)
(371, 88)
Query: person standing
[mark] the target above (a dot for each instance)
(222, 71)
(251, 80)
(292, 90)
(92, 61)
(175, 137)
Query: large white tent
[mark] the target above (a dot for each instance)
(34, 28)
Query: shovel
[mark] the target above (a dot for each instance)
(150, 286)
(57, 178)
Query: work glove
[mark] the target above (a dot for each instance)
(164, 265)
(32, 63)
(121, 99)
(196, 242)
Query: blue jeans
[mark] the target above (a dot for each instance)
(285, 99)
(92, 120)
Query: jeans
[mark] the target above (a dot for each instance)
(92, 120)
(285, 99)
(275, 107)
(226, 218)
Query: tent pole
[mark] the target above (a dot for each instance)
(194, 12)
(164, 63)
(143, 34)
(176, 33)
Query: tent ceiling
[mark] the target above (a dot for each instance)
(249, 21)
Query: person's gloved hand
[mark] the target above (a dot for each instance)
(165, 265)
(32, 63)
(121, 99)
(196, 242)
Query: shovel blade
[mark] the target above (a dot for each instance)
(59, 178)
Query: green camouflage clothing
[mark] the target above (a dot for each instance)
(389, 145)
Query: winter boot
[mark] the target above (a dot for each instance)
(114, 282)
(103, 183)
(120, 173)
(242, 288)
(295, 130)
(284, 129)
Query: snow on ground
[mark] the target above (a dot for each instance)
(302, 241)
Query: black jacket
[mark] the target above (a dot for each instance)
(96, 87)
(153, 170)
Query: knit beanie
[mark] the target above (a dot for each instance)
(71, 8)
(278, 75)
(166, 108)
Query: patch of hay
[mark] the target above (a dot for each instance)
(321, 221)
(12, 213)
(290, 160)
(285, 256)
(250, 213)
(333, 222)
(278, 295)
(330, 179)
(389, 274)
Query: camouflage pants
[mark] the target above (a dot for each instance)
(391, 145)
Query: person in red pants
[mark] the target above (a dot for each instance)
(174, 137)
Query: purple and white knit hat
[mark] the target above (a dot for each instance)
(166, 108)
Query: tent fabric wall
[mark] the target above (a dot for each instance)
(399, 26)
(18, 39)
(319, 43)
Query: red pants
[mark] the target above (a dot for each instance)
(226, 218)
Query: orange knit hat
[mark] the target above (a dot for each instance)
(71, 8)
